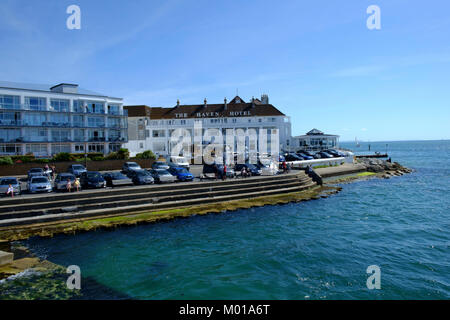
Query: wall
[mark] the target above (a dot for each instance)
(22, 169)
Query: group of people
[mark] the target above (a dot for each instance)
(50, 171)
(76, 185)
(286, 167)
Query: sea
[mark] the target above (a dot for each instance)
(321, 249)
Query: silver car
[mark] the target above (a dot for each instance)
(61, 181)
(162, 175)
(6, 181)
(39, 184)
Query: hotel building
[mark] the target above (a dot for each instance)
(150, 128)
(46, 120)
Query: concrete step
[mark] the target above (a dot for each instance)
(41, 208)
(145, 207)
(6, 202)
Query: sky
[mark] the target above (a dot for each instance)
(317, 60)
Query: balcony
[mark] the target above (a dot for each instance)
(25, 107)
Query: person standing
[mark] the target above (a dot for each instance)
(224, 176)
(77, 184)
(10, 191)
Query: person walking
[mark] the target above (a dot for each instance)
(69, 185)
(53, 172)
(77, 184)
(284, 166)
(224, 176)
(10, 191)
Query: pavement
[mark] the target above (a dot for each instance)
(346, 168)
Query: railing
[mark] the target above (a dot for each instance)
(25, 107)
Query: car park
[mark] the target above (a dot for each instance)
(162, 175)
(76, 169)
(141, 177)
(60, 182)
(130, 166)
(92, 179)
(160, 165)
(182, 174)
(39, 184)
(5, 182)
(177, 161)
(36, 172)
(115, 179)
(335, 153)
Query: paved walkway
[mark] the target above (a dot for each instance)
(346, 168)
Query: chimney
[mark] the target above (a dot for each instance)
(253, 102)
(264, 99)
(225, 104)
(178, 103)
(206, 103)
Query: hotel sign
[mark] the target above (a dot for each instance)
(215, 114)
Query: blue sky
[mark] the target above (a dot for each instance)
(316, 60)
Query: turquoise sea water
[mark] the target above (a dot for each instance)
(311, 250)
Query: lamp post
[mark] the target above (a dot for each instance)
(85, 155)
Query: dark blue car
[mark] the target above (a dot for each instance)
(182, 174)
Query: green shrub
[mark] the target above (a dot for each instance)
(146, 155)
(123, 154)
(63, 156)
(5, 160)
(98, 158)
(82, 159)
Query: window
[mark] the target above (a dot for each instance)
(36, 103)
(9, 118)
(114, 147)
(114, 109)
(36, 134)
(141, 145)
(60, 135)
(10, 135)
(58, 148)
(10, 149)
(59, 105)
(78, 134)
(114, 122)
(59, 119)
(79, 148)
(9, 102)
(77, 121)
(96, 148)
(158, 134)
(96, 122)
(36, 149)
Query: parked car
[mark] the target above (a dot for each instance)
(281, 158)
(76, 169)
(335, 153)
(130, 166)
(141, 177)
(293, 157)
(305, 156)
(230, 171)
(160, 165)
(179, 162)
(254, 170)
(36, 172)
(39, 184)
(324, 155)
(6, 181)
(162, 175)
(268, 168)
(115, 179)
(306, 153)
(182, 174)
(92, 179)
(60, 182)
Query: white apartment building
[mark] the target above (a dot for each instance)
(46, 120)
(150, 128)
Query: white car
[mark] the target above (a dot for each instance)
(179, 162)
(269, 168)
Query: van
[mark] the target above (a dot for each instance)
(178, 161)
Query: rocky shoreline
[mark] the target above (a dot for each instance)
(384, 168)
